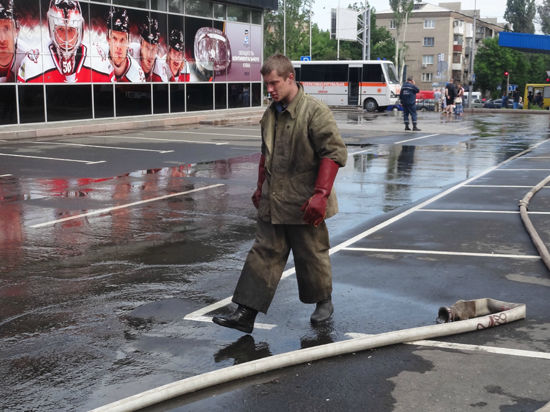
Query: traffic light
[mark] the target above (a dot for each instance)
(506, 74)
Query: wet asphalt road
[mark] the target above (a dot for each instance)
(109, 242)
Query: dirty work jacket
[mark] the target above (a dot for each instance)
(408, 94)
(293, 143)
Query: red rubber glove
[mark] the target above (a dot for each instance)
(261, 178)
(315, 209)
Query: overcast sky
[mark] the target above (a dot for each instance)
(488, 8)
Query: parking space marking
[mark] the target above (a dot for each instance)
(160, 140)
(439, 252)
(418, 138)
(205, 133)
(473, 348)
(88, 162)
(368, 232)
(501, 186)
(103, 147)
(7, 175)
(520, 170)
(512, 212)
(127, 205)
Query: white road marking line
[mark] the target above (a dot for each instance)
(376, 228)
(418, 138)
(503, 186)
(7, 175)
(529, 279)
(208, 319)
(88, 162)
(512, 212)
(359, 152)
(520, 170)
(103, 147)
(473, 348)
(159, 140)
(110, 209)
(536, 157)
(439, 252)
(205, 133)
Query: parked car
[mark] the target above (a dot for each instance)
(424, 105)
(497, 104)
(476, 103)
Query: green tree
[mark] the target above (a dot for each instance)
(401, 11)
(520, 14)
(493, 60)
(544, 14)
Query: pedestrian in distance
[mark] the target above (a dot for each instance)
(516, 99)
(407, 96)
(459, 108)
(450, 94)
(437, 100)
(301, 153)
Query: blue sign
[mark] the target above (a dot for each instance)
(512, 87)
(305, 58)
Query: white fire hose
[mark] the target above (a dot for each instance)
(463, 316)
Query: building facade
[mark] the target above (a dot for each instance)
(439, 41)
(80, 59)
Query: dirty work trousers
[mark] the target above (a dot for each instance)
(409, 109)
(268, 256)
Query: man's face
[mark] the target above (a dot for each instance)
(118, 47)
(175, 61)
(66, 37)
(8, 34)
(148, 53)
(278, 87)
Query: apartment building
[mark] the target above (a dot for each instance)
(439, 41)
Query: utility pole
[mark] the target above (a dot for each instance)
(365, 30)
(310, 55)
(284, 27)
(472, 56)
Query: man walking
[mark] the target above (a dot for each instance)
(302, 151)
(407, 96)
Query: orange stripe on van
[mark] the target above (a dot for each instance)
(372, 84)
(324, 83)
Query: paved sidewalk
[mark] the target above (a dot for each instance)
(217, 117)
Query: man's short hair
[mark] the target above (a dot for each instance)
(410, 79)
(281, 64)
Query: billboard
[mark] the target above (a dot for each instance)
(67, 41)
(344, 24)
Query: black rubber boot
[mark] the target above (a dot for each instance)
(323, 311)
(407, 126)
(242, 319)
(415, 129)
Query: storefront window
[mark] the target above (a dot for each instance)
(158, 5)
(238, 13)
(256, 16)
(175, 6)
(219, 11)
(31, 104)
(104, 103)
(142, 4)
(69, 102)
(198, 8)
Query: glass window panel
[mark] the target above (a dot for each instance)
(238, 13)
(256, 17)
(160, 98)
(239, 95)
(8, 108)
(219, 11)
(31, 104)
(133, 99)
(142, 4)
(221, 96)
(198, 8)
(177, 98)
(325, 73)
(104, 104)
(160, 5)
(175, 6)
(256, 94)
(199, 97)
(373, 73)
(69, 102)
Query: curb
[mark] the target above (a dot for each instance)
(41, 130)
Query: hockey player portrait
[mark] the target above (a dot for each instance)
(68, 59)
(147, 51)
(175, 62)
(126, 68)
(9, 58)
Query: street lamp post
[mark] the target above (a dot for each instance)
(472, 56)
(284, 27)
(310, 56)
